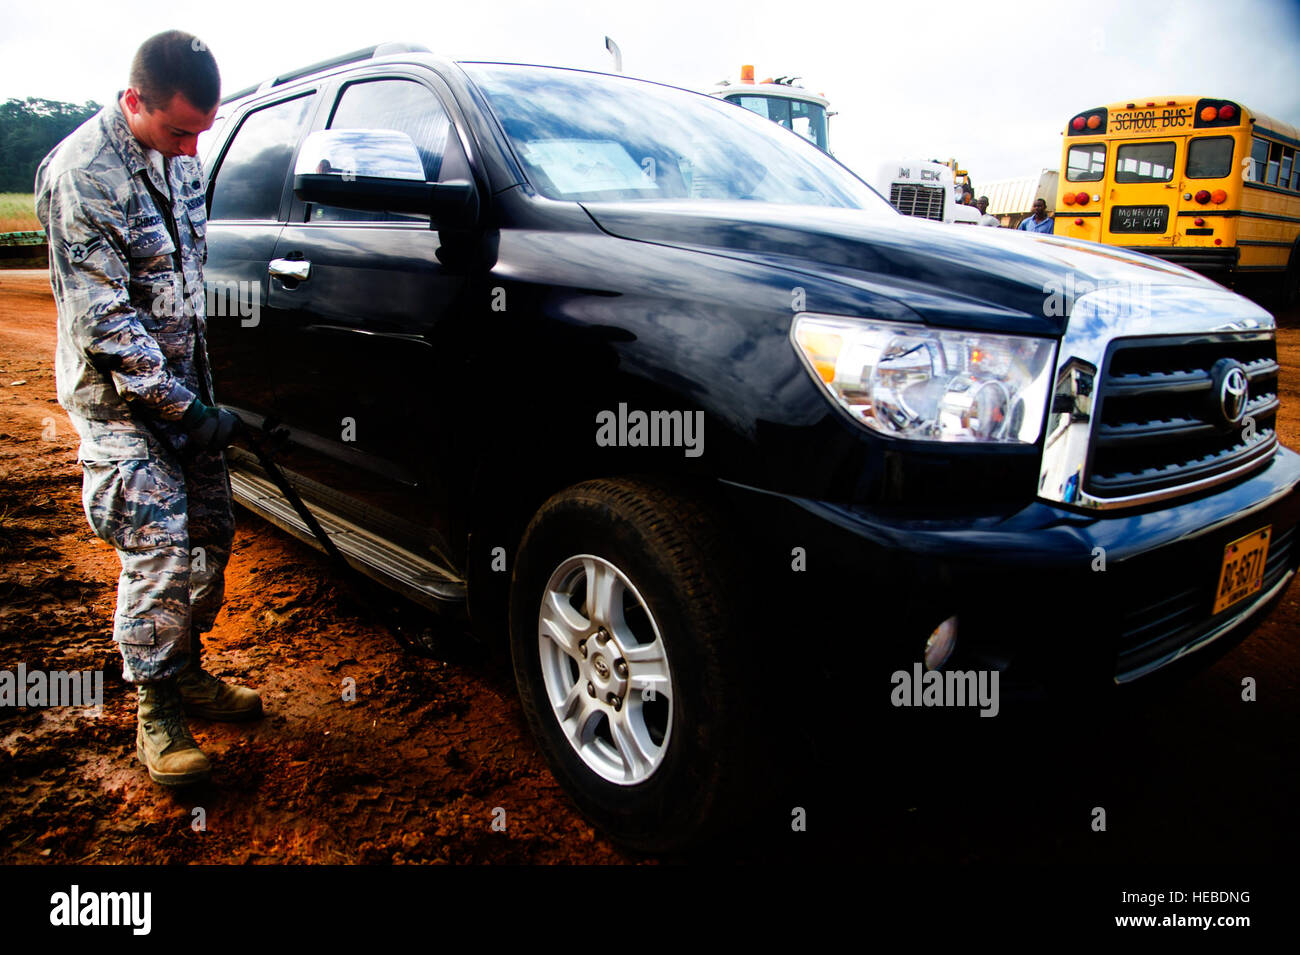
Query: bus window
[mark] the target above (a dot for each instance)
(1145, 162)
(1209, 157)
(1258, 159)
(1284, 179)
(1086, 163)
(1274, 160)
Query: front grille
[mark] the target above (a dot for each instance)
(1158, 423)
(923, 201)
(1156, 626)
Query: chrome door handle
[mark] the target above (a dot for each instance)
(296, 269)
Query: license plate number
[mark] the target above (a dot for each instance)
(1242, 571)
(1139, 218)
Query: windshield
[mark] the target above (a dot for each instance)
(589, 137)
(806, 118)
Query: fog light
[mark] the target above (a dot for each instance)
(940, 645)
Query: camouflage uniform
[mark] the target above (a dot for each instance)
(131, 358)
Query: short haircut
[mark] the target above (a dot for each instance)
(176, 62)
(983, 199)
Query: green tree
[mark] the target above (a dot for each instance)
(29, 129)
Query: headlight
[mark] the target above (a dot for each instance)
(911, 381)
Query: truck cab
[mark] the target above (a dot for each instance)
(783, 101)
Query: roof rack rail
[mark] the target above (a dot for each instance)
(366, 53)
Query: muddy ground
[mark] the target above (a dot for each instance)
(413, 770)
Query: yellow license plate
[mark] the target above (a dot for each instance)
(1242, 572)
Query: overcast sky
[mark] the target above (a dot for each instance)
(991, 83)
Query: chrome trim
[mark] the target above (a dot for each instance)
(1098, 318)
(294, 269)
(1129, 676)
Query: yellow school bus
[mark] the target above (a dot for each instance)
(1206, 183)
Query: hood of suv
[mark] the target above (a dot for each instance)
(957, 275)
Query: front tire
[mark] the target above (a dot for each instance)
(628, 662)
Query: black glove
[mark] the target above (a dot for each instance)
(209, 429)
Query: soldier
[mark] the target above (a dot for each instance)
(122, 202)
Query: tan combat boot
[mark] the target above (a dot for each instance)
(163, 741)
(207, 697)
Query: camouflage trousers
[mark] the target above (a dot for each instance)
(170, 518)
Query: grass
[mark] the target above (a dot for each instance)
(18, 212)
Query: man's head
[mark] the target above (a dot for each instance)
(174, 93)
(1040, 208)
(982, 204)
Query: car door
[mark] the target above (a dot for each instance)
(361, 377)
(248, 195)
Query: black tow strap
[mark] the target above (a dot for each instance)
(423, 644)
(356, 582)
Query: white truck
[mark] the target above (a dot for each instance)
(783, 101)
(926, 189)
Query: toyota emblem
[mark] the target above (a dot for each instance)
(1231, 389)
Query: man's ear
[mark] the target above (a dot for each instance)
(133, 101)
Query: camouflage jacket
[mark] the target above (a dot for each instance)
(130, 301)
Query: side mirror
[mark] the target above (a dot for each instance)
(378, 170)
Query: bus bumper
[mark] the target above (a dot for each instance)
(1213, 262)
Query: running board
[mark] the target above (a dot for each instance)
(418, 577)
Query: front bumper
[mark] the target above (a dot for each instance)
(1049, 596)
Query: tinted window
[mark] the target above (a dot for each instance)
(251, 178)
(1288, 157)
(588, 136)
(1144, 162)
(407, 107)
(1209, 158)
(1085, 163)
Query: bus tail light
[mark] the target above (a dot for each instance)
(1203, 196)
(1081, 198)
(1209, 114)
(1218, 197)
(1227, 111)
(1077, 123)
(1068, 198)
(1198, 222)
(1094, 121)
(1078, 222)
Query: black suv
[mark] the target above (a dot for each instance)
(719, 436)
